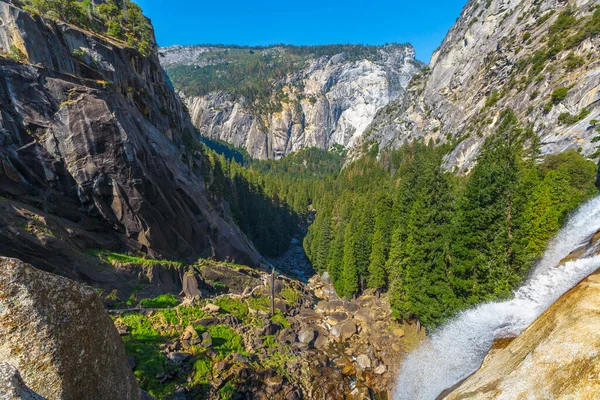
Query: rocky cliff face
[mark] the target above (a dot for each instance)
(504, 54)
(56, 333)
(555, 357)
(329, 100)
(96, 152)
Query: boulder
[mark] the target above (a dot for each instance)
(190, 286)
(208, 322)
(344, 330)
(287, 337)
(271, 329)
(336, 318)
(309, 315)
(206, 340)
(178, 357)
(381, 369)
(363, 361)
(322, 337)
(212, 308)
(12, 386)
(57, 333)
(307, 335)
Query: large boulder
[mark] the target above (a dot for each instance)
(58, 335)
(12, 386)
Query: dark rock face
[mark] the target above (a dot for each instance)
(98, 140)
(58, 335)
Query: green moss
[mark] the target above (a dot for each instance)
(290, 296)
(143, 343)
(112, 257)
(225, 340)
(234, 307)
(259, 303)
(203, 370)
(559, 94)
(162, 301)
(280, 319)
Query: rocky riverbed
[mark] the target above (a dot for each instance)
(222, 341)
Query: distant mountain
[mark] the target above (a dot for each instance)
(278, 99)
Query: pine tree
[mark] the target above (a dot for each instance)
(350, 276)
(378, 276)
(488, 216)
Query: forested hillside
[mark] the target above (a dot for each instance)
(269, 200)
(439, 242)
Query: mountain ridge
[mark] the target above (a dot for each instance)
(275, 100)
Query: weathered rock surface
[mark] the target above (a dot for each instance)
(12, 386)
(98, 147)
(485, 65)
(331, 101)
(555, 358)
(56, 333)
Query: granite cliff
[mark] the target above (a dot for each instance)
(538, 58)
(96, 152)
(317, 96)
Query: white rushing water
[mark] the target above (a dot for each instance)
(457, 349)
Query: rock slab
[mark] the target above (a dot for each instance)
(58, 335)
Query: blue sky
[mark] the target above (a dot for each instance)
(263, 22)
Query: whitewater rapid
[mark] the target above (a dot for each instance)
(457, 349)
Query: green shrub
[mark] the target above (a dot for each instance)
(559, 94)
(16, 54)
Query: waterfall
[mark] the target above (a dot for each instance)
(457, 349)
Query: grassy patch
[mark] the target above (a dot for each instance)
(143, 343)
(162, 301)
(234, 307)
(112, 258)
(290, 296)
(280, 319)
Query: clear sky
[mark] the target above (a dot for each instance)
(308, 22)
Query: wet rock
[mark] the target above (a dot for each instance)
(288, 337)
(208, 322)
(271, 329)
(240, 358)
(229, 320)
(221, 366)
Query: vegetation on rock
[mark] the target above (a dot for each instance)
(120, 19)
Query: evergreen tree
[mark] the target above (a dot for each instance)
(378, 275)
